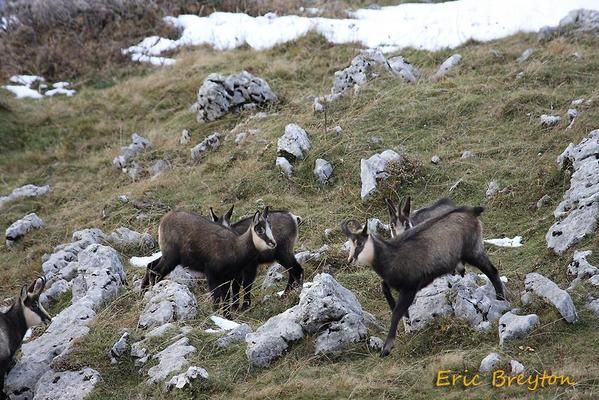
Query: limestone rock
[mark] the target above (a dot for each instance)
(488, 363)
(273, 275)
(323, 170)
(67, 385)
(126, 237)
(23, 192)
(375, 343)
(548, 121)
(447, 66)
(119, 348)
(547, 290)
(211, 142)
(167, 301)
(20, 228)
(284, 166)
(375, 168)
(185, 137)
(186, 378)
(512, 326)
(525, 55)
(170, 360)
(294, 143)
(235, 335)
(338, 335)
(138, 144)
(468, 155)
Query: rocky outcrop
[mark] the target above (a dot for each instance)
(170, 360)
(576, 216)
(138, 144)
(220, 94)
(20, 228)
(471, 298)
(24, 192)
(167, 301)
(547, 290)
(67, 385)
(186, 378)
(234, 335)
(325, 308)
(376, 167)
(125, 237)
(512, 326)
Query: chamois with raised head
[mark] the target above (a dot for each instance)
(285, 231)
(26, 312)
(412, 260)
(401, 218)
(198, 243)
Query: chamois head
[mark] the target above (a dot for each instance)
(225, 220)
(29, 298)
(360, 250)
(261, 231)
(399, 216)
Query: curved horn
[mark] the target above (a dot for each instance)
(213, 215)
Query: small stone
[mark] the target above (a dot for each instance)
(375, 343)
(516, 367)
(543, 201)
(336, 129)
(171, 359)
(158, 167)
(548, 121)
(235, 335)
(285, 166)
(375, 168)
(447, 66)
(375, 140)
(294, 144)
(512, 326)
(211, 142)
(468, 155)
(525, 55)
(273, 275)
(435, 159)
(328, 233)
(21, 227)
(489, 362)
(119, 348)
(185, 137)
(185, 379)
(492, 189)
(546, 289)
(323, 170)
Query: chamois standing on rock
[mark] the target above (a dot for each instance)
(412, 260)
(284, 231)
(25, 313)
(197, 243)
(401, 219)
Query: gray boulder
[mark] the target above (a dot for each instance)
(89, 236)
(20, 228)
(436, 160)
(185, 276)
(375, 168)
(339, 334)
(294, 143)
(547, 290)
(525, 55)
(170, 360)
(273, 338)
(376, 226)
(167, 301)
(576, 216)
(158, 167)
(273, 275)
(235, 335)
(186, 378)
(492, 189)
(488, 363)
(581, 20)
(211, 142)
(119, 348)
(24, 191)
(303, 257)
(138, 144)
(516, 367)
(512, 326)
(126, 237)
(58, 288)
(67, 385)
(185, 137)
(572, 115)
(580, 267)
(447, 66)
(403, 69)
(284, 165)
(323, 170)
(220, 94)
(431, 302)
(592, 304)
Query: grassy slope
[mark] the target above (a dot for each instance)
(69, 143)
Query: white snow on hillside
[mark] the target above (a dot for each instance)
(22, 87)
(422, 26)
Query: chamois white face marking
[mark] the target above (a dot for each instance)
(262, 236)
(34, 312)
(366, 256)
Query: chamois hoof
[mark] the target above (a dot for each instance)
(385, 353)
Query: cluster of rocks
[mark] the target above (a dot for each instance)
(165, 302)
(580, 21)
(549, 121)
(362, 69)
(21, 227)
(125, 160)
(325, 309)
(374, 168)
(576, 215)
(492, 360)
(220, 94)
(583, 270)
(95, 274)
(24, 192)
(471, 298)
(292, 146)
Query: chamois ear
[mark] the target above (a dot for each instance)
(38, 286)
(407, 206)
(256, 218)
(229, 214)
(391, 207)
(365, 229)
(23, 295)
(213, 215)
(265, 213)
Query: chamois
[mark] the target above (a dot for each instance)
(412, 260)
(25, 313)
(284, 230)
(202, 245)
(401, 220)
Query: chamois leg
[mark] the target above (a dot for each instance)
(406, 297)
(249, 276)
(388, 295)
(295, 270)
(235, 287)
(482, 262)
(158, 269)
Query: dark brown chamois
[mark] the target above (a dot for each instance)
(25, 313)
(284, 231)
(197, 243)
(401, 218)
(415, 258)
